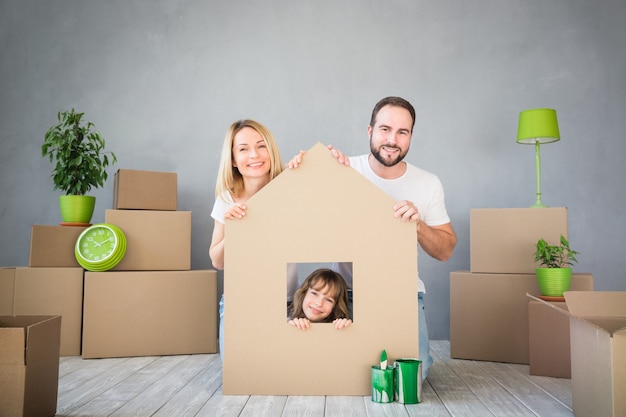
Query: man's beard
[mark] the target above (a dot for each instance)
(387, 162)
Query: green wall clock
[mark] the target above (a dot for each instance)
(100, 247)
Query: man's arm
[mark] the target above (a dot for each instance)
(437, 241)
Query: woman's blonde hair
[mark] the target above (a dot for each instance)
(228, 176)
(318, 280)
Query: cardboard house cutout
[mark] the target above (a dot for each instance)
(321, 211)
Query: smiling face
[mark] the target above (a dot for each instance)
(250, 154)
(318, 303)
(390, 136)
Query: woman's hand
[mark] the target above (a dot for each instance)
(296, 160)
(341, 323)
(237, 211)
(339, 156)
(301, 324)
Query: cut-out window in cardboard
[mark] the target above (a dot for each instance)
(297, 273)
(318, 212)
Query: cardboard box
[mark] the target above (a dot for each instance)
(263, 354)
(548, 338)
(145, 190)
(29, 365)
(144, 313)
(598, 348)
(7, 289)
(489, 314)
(504, 240)
(53, 246)
(156, 240)
(49, 291)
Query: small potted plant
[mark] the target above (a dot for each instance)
(555, 275)
(80, 164)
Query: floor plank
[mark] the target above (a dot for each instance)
(191, 386)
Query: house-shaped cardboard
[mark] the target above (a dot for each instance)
(320, 212)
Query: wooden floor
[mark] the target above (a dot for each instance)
(173, 386)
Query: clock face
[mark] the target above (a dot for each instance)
(97, 244)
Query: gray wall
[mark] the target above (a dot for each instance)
(162, 80)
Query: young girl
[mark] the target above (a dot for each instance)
(250, 159)
(322, 298)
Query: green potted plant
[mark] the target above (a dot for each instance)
(555, 275)
(80, 164)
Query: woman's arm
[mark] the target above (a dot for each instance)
(216, 250)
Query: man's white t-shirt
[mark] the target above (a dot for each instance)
(421, 187)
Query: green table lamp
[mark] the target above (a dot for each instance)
(537, 126)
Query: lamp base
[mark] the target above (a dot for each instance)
(539, 203)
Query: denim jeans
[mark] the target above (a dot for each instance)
(424, 345)
(221, 331)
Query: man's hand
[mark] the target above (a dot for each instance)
(406, 211)
(339, 156)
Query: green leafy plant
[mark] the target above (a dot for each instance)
(79, 153)
(555, 256)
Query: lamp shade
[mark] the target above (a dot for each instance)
(537, 126)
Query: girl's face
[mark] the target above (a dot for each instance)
(250, 154)
(318, 303)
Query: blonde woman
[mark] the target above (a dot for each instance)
(250, 159)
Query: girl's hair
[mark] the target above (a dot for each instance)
(228, 176)
(317, 280)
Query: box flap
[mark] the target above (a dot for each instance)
(12, 343)
(600, 318)
(610, 324)
(596, 303)
(43, 337)
(18, 333)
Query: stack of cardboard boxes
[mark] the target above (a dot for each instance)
(161, 296)
(151, 303)
(52, 284)
(489, 310)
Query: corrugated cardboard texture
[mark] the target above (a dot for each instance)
(504, 240)
(549, 343)
(489, 314)
(607, 304)
(7, 289)
(320, 212)
(51, 291)
(29, 365)
(144, 313)
(598, 345)
(145, 190)
(156, 240)
(53, 246)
